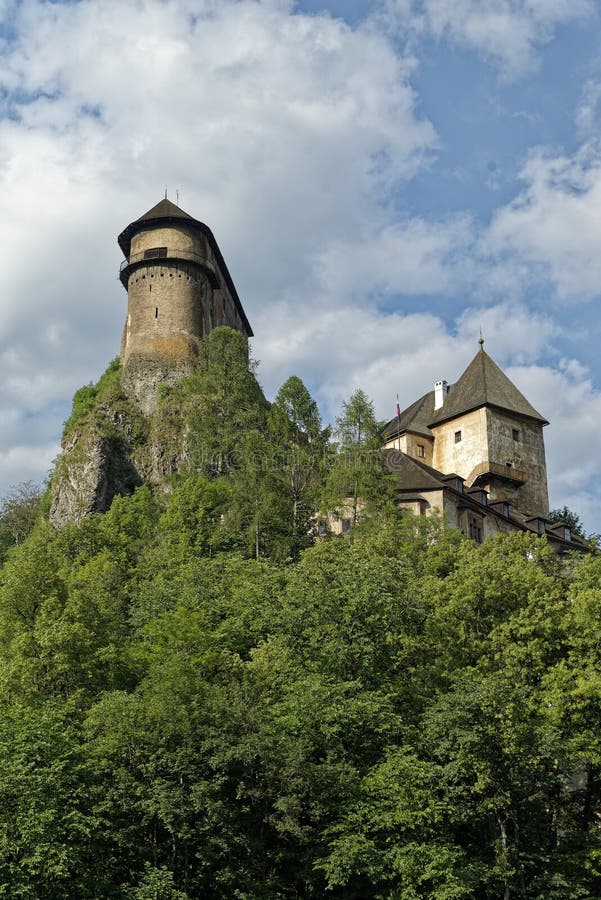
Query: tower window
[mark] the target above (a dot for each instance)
(515, 433)
(156, 312)
(457, 437)
(155, 252)
(421, 452)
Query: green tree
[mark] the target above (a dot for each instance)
(356, 475)
(225, 401)
(299, 445)
(571, 519)
(19, 512)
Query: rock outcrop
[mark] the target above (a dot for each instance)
(113, 447)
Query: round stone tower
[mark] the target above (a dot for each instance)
(178, 290)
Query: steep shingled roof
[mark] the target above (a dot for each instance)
(484, 384)
(411, 474)
(415, 418)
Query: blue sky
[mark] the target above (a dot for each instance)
(383, 178)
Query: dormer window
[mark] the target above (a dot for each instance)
(506, 510)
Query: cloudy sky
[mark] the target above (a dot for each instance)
(384, 177)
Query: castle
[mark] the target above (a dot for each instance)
(473, 450)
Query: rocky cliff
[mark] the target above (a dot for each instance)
(114, 440)
(110, 447)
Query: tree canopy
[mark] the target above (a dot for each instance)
(201, 698)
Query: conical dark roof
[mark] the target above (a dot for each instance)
(164, 209)
(484, 384)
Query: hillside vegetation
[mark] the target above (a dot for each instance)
(199, 698)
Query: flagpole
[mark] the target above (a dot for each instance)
(398, 422)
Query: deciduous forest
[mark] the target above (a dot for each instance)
(201, 696)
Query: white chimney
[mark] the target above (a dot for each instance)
(441, 389)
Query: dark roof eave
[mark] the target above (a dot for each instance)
(513, 412)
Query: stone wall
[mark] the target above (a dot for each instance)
(451, 455)
(526, 453)
(410, 444)
(487, 437)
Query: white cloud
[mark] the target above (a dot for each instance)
(413, 256)
(507, 33)
(553, 225)
(573, 439)
(587, 112)
(512, 332)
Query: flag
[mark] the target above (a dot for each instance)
(398, 410)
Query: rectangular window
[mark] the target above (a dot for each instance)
(506, 510)
(155, 252)
(322, 528)
(156, 312)
(421, 451)
(346, 526)
(516, 434)
(457, 437)
(475, 531)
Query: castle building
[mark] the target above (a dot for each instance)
(178, 289)
(474, 451)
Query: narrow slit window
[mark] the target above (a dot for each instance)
(156, 312)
